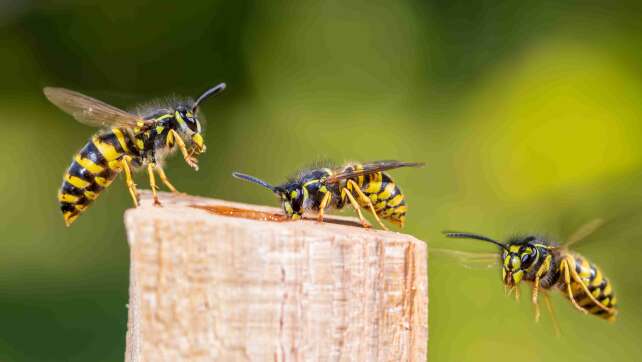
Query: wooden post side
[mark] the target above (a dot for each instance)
(220, 281)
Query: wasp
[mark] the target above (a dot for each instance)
(128, 141)
(549, 265)
(361, 185)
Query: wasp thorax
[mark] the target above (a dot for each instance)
(518, 260)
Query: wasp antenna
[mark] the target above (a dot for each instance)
(462, 235)
(415, 164)
(242, 176)
(210, 92)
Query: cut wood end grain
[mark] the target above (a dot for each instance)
(218, 280)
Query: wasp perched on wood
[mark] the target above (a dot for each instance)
(130, 140)
(362, 185)
(549, 265)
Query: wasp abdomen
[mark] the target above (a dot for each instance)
(388, 200)
(92, 170)
(598, 285)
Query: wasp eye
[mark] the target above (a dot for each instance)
(527, 259)
(191, 123)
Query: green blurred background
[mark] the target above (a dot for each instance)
(527, 113)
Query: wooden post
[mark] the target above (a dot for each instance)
(218, 281)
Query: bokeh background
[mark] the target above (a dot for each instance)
(528, 114)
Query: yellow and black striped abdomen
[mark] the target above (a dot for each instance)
(388, 200)
(93, 169)
(598, 285)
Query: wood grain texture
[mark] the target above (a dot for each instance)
(207, 287)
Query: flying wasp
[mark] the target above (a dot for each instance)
(362, 185)
(549, 265)
(128, 141)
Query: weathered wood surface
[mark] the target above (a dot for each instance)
(207, 287)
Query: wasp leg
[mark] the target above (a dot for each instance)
(192, 161)
(578, 279)
(565, 266)
(546, 265)
(324, 203)
(129, 181)
(368, 202)
(152, 183)
(534, 298)
(356, 206)
(163, 177)
(551, 311)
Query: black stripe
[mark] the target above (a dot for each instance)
(67, 207)
(603, 298)
(111, 139)
(107, 173)
(601, 286)
(95, 188)
(92, 153)
(82, 173)
(68, 188)
(82, 200)
(578, 265)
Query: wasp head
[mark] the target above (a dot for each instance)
(292, 198)
(189, 127)
(291, 194)
(519, 257)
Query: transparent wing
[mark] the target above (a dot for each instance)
(584, 231)
(469, 260)
(370, 168)
(90, 111)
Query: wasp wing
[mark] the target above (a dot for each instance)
(584, 231)
(370, 168)
(470, 260)
(90, 111)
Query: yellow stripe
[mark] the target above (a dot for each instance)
(121, 139)
(91, 195)
(67, 198)
(373, 187)
(70, 216)
(159, 129)
(76, 181)
(608, 289)
(180, 119)
(80, 207)
(396, 200)
(88, 164)
(101, 181)
(108, 151)
(387, 192)
(401, 209)
(139, 144)
(595, 309)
